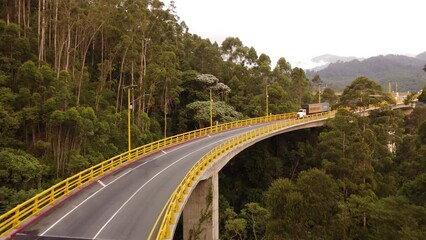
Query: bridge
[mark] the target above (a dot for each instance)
(141, 194)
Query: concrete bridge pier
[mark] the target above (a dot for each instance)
(201, 212)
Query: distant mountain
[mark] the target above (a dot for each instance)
(406, 71)
(332, 58)
(421, 56)
(324, 60)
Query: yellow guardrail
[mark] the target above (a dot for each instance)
(178, 196)
(16, 216)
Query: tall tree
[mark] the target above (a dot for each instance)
(362, 92)
(299, 85)
(317, 81)
(422, 96)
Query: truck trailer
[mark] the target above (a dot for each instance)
(308, 109)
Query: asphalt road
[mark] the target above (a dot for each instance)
(125, 204)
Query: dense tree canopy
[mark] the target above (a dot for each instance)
(64, 66)
(363, 92)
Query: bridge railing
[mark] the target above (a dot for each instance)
(30, 208)
(181, 192)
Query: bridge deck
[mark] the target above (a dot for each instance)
(125, 204)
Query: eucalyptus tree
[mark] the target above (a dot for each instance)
(329, 95)
(299, 85)
(318, 81)
(344, 151)
(305, 209)
(234, 51)
(282, 69)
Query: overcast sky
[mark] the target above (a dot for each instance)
(302, 29)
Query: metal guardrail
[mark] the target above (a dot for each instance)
(181, 192)
(22, 212)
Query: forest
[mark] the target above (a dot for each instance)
(65, 67)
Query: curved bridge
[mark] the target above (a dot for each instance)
(141, 194)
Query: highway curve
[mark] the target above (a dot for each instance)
(125, 204)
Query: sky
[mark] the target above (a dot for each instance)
(299, 30)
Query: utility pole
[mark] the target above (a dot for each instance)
(129, 108)
(211, 108)
(319, 93)
(266, 96)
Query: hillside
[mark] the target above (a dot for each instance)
(407, 71)
(421, 56)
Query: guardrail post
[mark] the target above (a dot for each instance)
(35, 208)
(67, 185)
(52, 196)
(16, 218)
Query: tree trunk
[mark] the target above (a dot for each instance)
(24, 17)
(119, 93)
(67, 61)
(29, 13)
(18, 6)
(142, 73)
(39, 28)
(55, 40)
(83, 62)
(364, 220)
(41, 56)
(103, 75)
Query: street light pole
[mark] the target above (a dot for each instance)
(128, 120)
(129, 134)
(211, 108)
(319, 93)
(267, 100)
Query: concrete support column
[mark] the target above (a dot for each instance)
(201, 213)
(215, 205)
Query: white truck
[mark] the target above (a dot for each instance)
(313, 108)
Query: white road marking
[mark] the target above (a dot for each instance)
(140, 188)
(94, 194)
(64, 237)
(164, 151)
(100, 182)
(87, 199)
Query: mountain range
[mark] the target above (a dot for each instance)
(406, 72)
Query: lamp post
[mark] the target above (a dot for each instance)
(211, 108)
(319, 93)
(129, 134)
(267, 97)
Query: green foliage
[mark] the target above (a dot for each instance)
(302, 210)
(200, 112)
(250, 223)
(422, 132)
(29, 76)
(361, 93)
(10, 197)
(256, 218)
(328, 95)
(18, 169)
(62, 109)
(415, 190)
(422, 96)
(236, 228)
